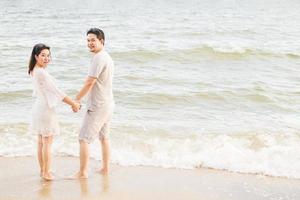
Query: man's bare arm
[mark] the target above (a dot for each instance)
(88, 84)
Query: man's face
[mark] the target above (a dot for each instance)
(94, 44)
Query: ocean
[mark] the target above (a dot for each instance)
(197, 83)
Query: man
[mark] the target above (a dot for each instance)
(100, 102)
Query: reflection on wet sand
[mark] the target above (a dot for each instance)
(45, 189)
(86, 187)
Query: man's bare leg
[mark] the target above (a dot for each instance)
(84, 159)
(105, 145)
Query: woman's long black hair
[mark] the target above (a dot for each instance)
(35, 52)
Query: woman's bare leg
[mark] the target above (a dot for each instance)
(40, 155)
(47, 142)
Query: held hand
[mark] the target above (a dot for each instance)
(76, 107)
(78, 101)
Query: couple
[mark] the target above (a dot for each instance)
(100, 104)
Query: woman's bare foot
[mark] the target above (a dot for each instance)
(48, 176)
(41, 174)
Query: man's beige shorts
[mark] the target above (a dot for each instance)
(95, 124)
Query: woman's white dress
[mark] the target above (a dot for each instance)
(44, 118)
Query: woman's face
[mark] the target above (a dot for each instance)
(43, 58)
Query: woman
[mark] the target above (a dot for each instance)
(44, 118)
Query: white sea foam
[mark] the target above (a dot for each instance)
(259, 153)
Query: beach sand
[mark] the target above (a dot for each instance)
(20, 180)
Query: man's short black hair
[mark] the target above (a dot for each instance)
(98, 32)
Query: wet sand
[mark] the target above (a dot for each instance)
(20, 180)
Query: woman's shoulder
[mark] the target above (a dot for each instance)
(38, 71)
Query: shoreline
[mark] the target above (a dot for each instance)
(20, 180)
(167, 168)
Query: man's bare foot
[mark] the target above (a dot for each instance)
(81, 175)
(48, 176)
(104, 171)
